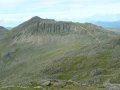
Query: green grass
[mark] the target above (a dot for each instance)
(68, 87)
(59, 60)
(17, 88)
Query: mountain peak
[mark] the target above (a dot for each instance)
(41, 25)
(36, 17)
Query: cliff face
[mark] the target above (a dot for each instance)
(37, 24)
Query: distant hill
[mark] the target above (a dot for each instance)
(41, 49)
(114, 24)
(9, 28)
(3, 31)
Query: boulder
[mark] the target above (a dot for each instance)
(110, 86)
(45, 83)
(58, 83)
(97, 71)
(71, 82)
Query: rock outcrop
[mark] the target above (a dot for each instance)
(56, 83)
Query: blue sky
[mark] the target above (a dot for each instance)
(14, 12)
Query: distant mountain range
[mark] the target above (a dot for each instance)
(3, 32)
(3, 29)
(114, 24)
(46, 49)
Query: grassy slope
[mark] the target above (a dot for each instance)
(61, 60)
(53, 88)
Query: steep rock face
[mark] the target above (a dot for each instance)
(37, 24)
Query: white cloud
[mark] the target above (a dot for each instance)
(16, 11)
(10, 3)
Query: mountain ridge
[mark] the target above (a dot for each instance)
(71, 25)
(36, 26)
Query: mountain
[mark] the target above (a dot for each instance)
(3, 29)
(43, 49)
(114, 24)
(9, 28)
(36, 26)
(3, 32)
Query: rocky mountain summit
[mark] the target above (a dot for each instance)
(37, 24)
